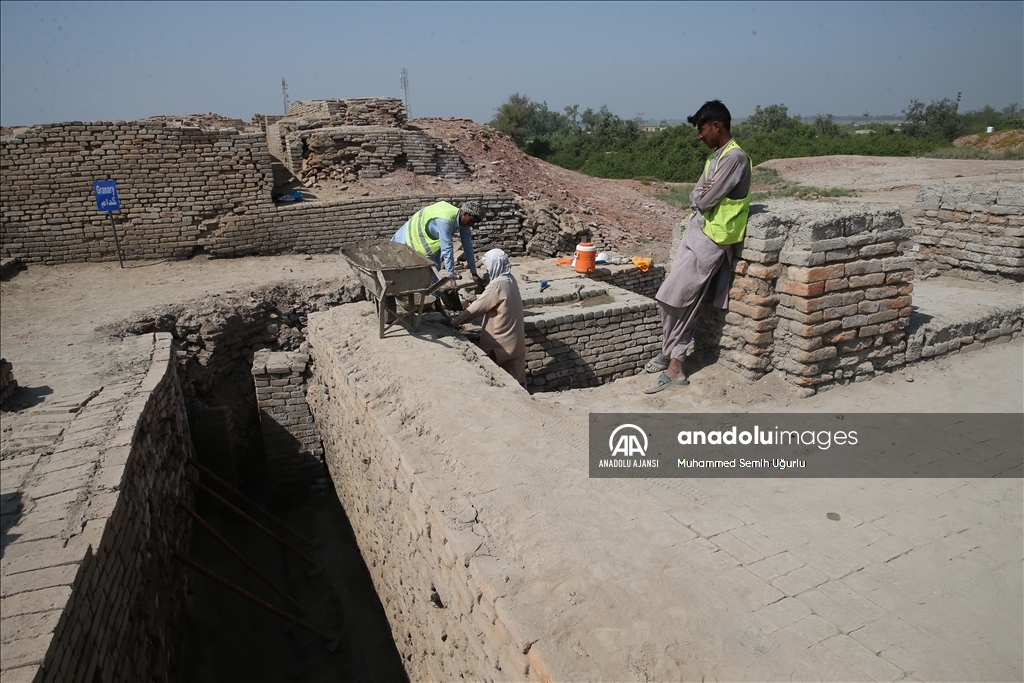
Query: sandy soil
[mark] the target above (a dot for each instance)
(890, 180)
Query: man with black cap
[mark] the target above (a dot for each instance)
(431, 232)
(702, 266)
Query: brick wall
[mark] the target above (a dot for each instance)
(632, 279)
(442, 594)
(108, 602)
(822, 294)
(291, 443)
(175, 184)
(351, 152)
(326, 226)
(572, 344)
(354, 111)
(971, 335)
(184, 190)
(967, 229)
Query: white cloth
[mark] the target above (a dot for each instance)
(496, 263)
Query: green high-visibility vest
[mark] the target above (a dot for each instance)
(726, 222)
(416, 234)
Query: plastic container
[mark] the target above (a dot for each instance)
(586, 253)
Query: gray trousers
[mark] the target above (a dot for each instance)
(678, 325)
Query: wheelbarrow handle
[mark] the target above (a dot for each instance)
(434, 287)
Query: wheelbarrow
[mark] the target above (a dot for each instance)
(391, 272)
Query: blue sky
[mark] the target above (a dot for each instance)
(110, 60)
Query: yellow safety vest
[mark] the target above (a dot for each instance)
(726, 222)
(416, 234)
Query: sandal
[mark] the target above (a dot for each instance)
(664, 381)
(657, 364)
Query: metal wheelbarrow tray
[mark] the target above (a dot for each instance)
(388, 270)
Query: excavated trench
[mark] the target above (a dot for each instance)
(577, 334)
(227, 636)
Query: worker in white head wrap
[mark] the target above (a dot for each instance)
(496, 264)
(503, 334)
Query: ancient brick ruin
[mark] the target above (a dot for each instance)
(104, 599)
(581, 335)
(822, 295)
(351, 139)
(290, 440)
(967, 230)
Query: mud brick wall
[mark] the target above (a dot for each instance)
(7, 382)
(292, 445)
(821, 293)
(174, 184)
(183, 191)
(326, 226)
(355, 111)
(967, 229)
(441, 597)
(349, 153)
(570, 344)
(998, 328)
(116, 597)
(632, 279)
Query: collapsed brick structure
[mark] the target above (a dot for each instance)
(356, 138)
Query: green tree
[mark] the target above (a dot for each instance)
(938, 119)
(826, 125)
(1012, 117)
(515, 118)
(770, 119)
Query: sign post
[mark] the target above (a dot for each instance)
(107, 202)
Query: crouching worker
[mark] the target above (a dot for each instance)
(503, 337)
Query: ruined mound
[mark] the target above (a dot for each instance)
(619, 210)
(999, 141)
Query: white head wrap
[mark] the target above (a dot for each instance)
(497, 264)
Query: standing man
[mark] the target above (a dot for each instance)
(431, 232)
(702, 267)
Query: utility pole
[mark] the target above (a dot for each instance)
(957, 108)
(284, 94)
(866, 116)
(404, 80)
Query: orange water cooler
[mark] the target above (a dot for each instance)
(586, 254)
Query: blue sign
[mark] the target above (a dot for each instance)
(106, 195)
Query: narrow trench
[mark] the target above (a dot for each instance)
(227, 637)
